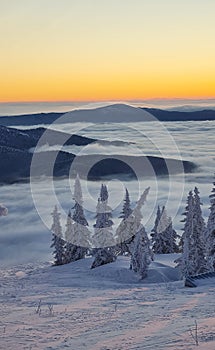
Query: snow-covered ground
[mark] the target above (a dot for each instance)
(106, 308)
(73, 307)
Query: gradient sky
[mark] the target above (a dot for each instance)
(106, 49)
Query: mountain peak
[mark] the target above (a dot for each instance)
(114, 113)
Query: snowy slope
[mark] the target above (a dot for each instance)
(73, 307)
(26, 139)
(10, 137)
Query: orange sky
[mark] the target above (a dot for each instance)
(77, 50)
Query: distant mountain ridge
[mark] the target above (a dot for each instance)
(169, 116)
(116, 113)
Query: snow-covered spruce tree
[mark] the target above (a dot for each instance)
(77, 234)
(103, 239)
(107, 210)
(141, 256)
(193, 241)
(173, 236)
(128, 228)
(163, 235)
(72, 252)
(81, 233)
(103, 193)
(185, 263)
(122, 241)
(57, 238)
(210, 246)
(155, 236)
(126, 210)
(103, 235)
(198, 237)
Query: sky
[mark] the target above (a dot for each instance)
(91, 50)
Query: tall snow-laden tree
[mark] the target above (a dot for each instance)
(193, 241)
(155, 237)
(103, 235)
(78, 214)
(163, 235)
(141, 255)
(210, 246)
(107, 210)
(130, 226)
(81, 233)
(103, 239)
(123, 241)
(103, 193)
(126, 210)
(185, 263)
(72, 252)
(173, 236)
(57, 239)
(198, 237)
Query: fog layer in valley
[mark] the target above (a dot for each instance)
(25, 238)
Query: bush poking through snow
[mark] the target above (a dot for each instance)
(57, 238)
(3, 210)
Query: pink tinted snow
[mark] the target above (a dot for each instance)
(98, 316)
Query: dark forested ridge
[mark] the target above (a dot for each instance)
(26, 139)
(16, 160)
(85, 115)
(171, 116)
(29, 119)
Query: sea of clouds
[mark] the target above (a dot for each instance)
(24, 232)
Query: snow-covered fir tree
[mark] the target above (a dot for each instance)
(155, 236)
(173, 236)
(210, 246)
(57, 238)
(128, 227)
(81, 233)
(164, 237)
(69, 246)
(103, 193)
(198, 237)
(185, 262)
(103, 239)
(193, 240)
(141, 255)
(103, 234)
(123, 241)
(72, 252)
(126, 210)
(107, 210)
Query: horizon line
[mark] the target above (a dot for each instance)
(196, 99)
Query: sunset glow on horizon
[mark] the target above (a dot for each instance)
(91, 50)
